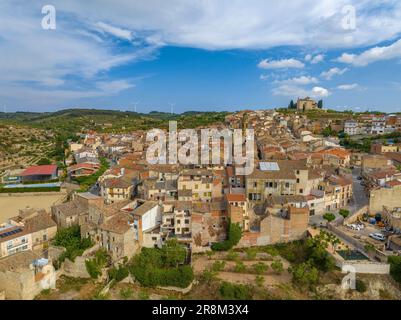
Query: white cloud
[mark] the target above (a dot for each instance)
(293, 91)
(281, 64)
(319, 92)
(115, 31)
(302, 80)
(332, 72)
(348, 86)
(308, 57)
(264, 77)
(318, 58)
(254, 24)
(373, 55)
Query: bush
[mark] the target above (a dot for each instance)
(234, 236)
(251, 253)
(304, 274)
(259, 280)
(232, 291)
(239, 267)
(218, 266)
(232, 255)
(126, 293)
(118, 273)
(360, 286)
(260, 267)
(155, 267)
(395, 267)
(94, 266)
(277, 266)
(143, 295)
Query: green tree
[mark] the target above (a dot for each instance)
(344, 213)
(234, 236)
(329, 216)
(305, 274)
(320, 104)
(174, 253)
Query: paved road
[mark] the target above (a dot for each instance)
(360, 198)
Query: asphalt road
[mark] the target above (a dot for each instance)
(360, 198)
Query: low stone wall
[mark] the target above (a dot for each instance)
(354, 217)
(177, 289)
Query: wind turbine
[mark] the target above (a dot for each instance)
(172, 107)
(135, 105)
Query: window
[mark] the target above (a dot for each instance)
(154, 238)
(255, 184)
(196, 186)
(178, 221)
(297, 180)
(287, 184)
(301, 190)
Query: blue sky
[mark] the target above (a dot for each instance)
(200, 55)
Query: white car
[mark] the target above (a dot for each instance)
(377, 236)
(354, 227)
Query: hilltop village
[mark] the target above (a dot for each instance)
(329, 177)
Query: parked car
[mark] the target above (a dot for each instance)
(377, 236)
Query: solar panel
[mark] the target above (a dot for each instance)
(9, 233)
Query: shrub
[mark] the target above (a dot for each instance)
(94, 266)
(232, 291)
(360, 286)
(232, 255)
(126, 293)
(304, 274)
(208, 276)
(154, 267)
(239, 267)
(277, 266)
(251, 253)
(118, 273)
(395, 267)
(143, 295)
(259, 280)
(218, 266)
(260, 267)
